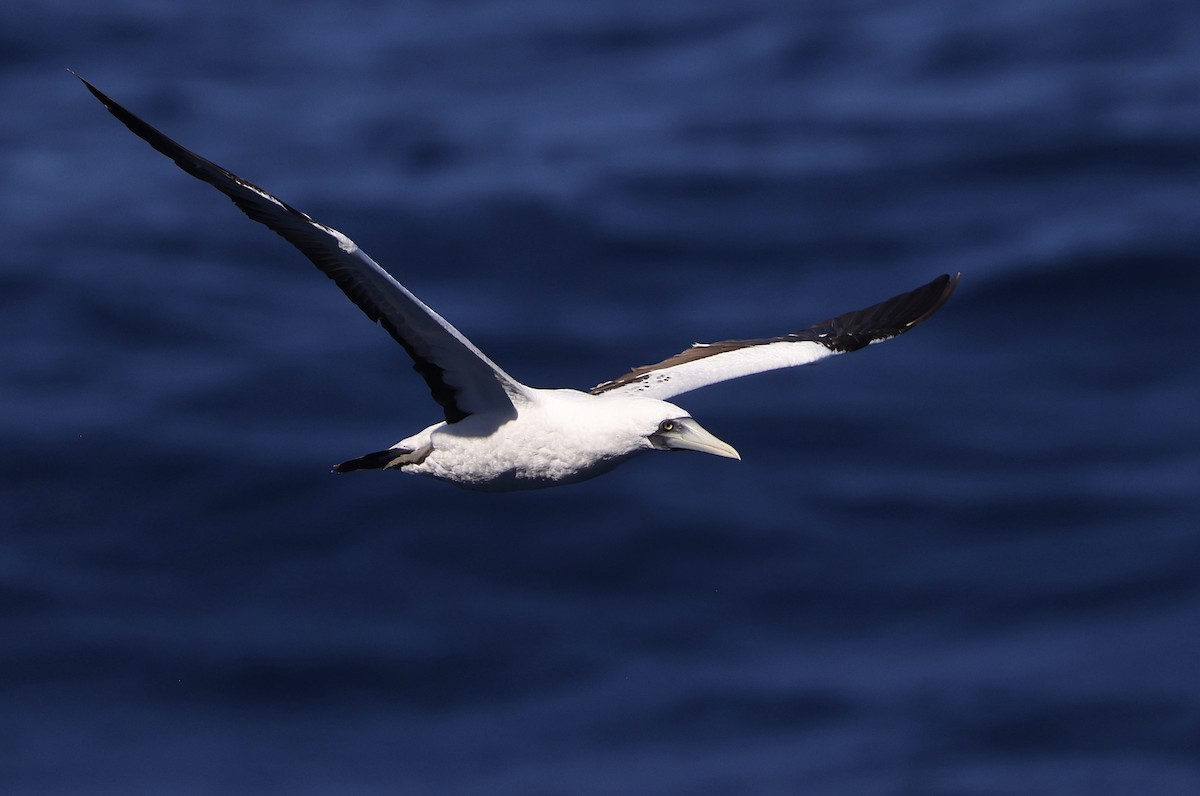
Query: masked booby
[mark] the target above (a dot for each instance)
(498, 434)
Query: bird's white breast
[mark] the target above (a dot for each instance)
(560, 436)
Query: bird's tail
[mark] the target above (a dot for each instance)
(382, 460)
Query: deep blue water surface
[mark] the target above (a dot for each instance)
(963, 562)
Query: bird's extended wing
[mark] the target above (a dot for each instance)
(463, 381)
(709, 363)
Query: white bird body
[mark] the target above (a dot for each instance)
(559, 437)
(499, 434)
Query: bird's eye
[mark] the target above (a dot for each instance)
(666, 425)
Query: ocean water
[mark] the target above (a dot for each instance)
(966, 561)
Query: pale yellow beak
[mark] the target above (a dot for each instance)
(686, 434)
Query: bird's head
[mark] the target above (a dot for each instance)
(611, 428)
(666, 427)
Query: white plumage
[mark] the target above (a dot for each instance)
(499, 434)
(558, 437)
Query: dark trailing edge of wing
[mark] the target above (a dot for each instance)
(847, 332)
(312, 238)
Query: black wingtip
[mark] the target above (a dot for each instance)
(141, 129)
(946, 284)
(895, 316)
(97, 93)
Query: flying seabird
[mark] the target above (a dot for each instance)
(499, 434)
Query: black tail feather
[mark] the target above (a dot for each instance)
(373, 461)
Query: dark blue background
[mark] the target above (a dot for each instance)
(963, 562)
